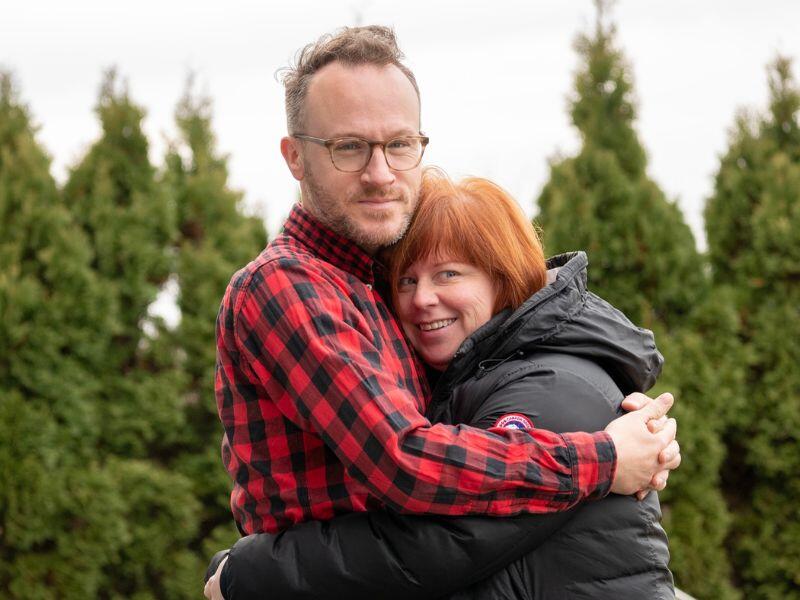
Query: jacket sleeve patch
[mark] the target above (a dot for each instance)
(514, 421)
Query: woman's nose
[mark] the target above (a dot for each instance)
(424, 295)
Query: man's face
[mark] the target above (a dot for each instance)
(372, 207)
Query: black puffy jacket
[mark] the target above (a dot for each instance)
(563, 360)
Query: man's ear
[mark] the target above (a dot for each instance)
(290, 148)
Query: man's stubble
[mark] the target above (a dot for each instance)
(331, 213)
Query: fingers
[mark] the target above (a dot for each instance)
(635, 401)
(673, 464)
(670, 453)
(659, 481)
(656, 425)
(658, 407)
(667, 433)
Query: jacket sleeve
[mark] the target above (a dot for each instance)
(380, 554)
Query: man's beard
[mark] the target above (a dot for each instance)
(333, 215)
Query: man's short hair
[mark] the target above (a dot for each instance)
(370, 45)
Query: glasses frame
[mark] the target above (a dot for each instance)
(328, 143)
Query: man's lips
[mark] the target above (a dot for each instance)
(378, 201)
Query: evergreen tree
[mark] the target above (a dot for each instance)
(643, 254)
(753, 225)
(61, 516)
(215, 239)
(129, 220)
(644, 260)
(703, 370)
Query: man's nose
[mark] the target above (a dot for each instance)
(377, 172)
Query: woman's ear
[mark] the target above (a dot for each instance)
(290, 148)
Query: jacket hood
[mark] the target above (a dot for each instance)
(565, 317)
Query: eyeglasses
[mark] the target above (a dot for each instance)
(352, 154)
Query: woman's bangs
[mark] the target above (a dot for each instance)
(440, 230)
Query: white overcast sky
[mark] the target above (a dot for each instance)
(494, 77)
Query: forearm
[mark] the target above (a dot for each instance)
(458, 471)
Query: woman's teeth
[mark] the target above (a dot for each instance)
(436, 324)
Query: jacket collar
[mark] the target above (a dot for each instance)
(496, 338)
(563, 317)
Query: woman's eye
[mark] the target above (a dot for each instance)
(405, 282)
(450, 274)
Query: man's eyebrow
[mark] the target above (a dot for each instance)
(398, 133)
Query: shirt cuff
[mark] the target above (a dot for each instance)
(594, 464)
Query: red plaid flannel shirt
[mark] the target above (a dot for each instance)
(322, 404)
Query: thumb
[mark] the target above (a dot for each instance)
(658, 407)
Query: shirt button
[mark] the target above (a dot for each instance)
(369, 286)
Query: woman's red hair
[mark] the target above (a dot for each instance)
(477, 222)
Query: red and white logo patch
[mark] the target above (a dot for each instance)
(514, 421)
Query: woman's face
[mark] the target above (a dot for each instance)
(441, 301)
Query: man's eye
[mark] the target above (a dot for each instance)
(349, 146)
(399, 144)
(449, 274)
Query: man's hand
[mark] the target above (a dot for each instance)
(671, 455)
(645, 444)
(212, 590)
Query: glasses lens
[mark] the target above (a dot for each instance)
(350, 154)
(403, 153)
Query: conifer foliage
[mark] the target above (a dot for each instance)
(109, 441)
(214, 240)
(602, 200)
(129, 220)
(130, 223)
(61, 518)
(644, 260)
(753, 225)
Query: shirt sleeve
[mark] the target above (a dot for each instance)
(304, 340)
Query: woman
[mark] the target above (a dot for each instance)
(508, 343)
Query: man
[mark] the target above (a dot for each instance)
(321, 399)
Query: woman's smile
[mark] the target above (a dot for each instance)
(436, 325)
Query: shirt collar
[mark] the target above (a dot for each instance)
(328, 245)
